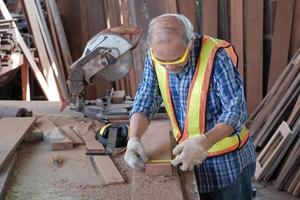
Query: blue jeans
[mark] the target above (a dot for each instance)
(240, 189)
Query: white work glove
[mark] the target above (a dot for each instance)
(135, 155)
(191, 152)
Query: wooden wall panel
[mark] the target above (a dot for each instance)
(237, 31)
(71, 18)
(188, 9)
(280, 39)
(209, 23)
(254, 52)
(295, 34)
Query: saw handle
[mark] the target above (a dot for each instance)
(127, 30)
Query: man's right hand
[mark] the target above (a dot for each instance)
(135, 155)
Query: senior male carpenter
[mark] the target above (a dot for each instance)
(196, 78)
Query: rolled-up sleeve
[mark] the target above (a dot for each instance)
(148, 98)
(230, 91)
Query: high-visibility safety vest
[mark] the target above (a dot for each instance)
(196, 102)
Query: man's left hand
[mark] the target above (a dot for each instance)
(191, 152)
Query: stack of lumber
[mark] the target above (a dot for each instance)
(275, 127)
(52, 49)
(10, 56)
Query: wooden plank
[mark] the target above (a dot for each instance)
(57, 68)
(12, 132)
(60, 32)
(295, 112)
(295, 33)
(295, 181)
(25, 81)
(296, 192)
(103, 164)
(130, 79)
(54, 37)
(210, 18)
(283, 153)
(254, 53)
(76, 140)
(170, 6)
(273, 97)
(45, 125)
(6, 173)
(137, 71)
(271, 150)
(40, 46)
(57, 140)
(278, 113)
(289, 165)
(224, 19)
(41, 80)
(157, 145)
(237, 32)
(281, 39)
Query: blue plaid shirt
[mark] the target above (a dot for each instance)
(225, 103)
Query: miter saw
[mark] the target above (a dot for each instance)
(108, 55)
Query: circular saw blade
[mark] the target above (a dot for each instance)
(118, 70)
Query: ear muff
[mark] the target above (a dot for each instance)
(122, 134)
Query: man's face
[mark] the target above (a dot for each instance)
(173, 56)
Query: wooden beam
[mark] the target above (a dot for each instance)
(25, 81)
(54, 37)
(259, 117)
(272, 150)
(170, 6)
(281, 39)
(289, 166)
(60, 32)
(40, 46)
(37, 73)
(277, 114)
(254, 53)
(57, 68)
(295, 34)
(237, 32)
(210, 18)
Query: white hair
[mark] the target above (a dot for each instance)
(188, 28)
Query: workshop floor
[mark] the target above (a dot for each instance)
(37, 178)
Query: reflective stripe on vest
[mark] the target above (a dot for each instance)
(196, 102)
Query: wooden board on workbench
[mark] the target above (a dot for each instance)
(12, 132)
(103, 164)
(157, 144)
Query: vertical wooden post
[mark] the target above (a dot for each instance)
(25, 81)
(209, 24)
(237, 32)
(281, 39)
(254, 52)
